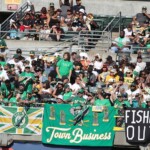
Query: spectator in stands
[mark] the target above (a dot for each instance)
(13, 32)
(78, 6)
(46, 91)
(77, 23)
(18, 65)
(19, 52)
(54, 24)
(78, 85)
(28, 21)
(44, 15)
(31, 58)
(129, 32)
(3, 45)
(98, 63)
(51, 10)
(58, 89)
(64, 66)
(68, 20)
(142, 17)
(65, 6)
(121, 44)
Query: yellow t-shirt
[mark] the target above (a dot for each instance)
(128, 80)
(112, 79)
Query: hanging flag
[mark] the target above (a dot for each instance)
(20, 120)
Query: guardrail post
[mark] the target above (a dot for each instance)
(0, 30)
(120, 19)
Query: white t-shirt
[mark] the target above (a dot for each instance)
(75, 87)
(98, 65)
(127, 33)
(30, 60)
(3, 75)
(142, 65)
(17, 64)
(131, 94)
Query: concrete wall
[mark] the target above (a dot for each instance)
(103, 7)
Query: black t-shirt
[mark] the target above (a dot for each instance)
(21, 58)
(76, 8)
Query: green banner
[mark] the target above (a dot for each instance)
(19, 120)
(94, 129)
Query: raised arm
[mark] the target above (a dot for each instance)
(71, 3)
(60, 3)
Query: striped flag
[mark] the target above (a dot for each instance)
(19, 120)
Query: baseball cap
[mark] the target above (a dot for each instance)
(32, 53)
(27, 66)
(18, 50)
(16, 56)
(51, 4)
(60, 97)
(109, 57)
(82, 11)
(144, 7)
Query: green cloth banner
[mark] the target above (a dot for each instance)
(96, 129)
(19, 120)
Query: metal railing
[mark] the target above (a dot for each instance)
(20, 13)
(94, 40)
(112, 24)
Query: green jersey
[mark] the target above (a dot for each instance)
(5, 90)
(2, 43)
(29, 84)
(66, 96)
(2, 63)
(78, 101)
(64, 67)
(104, 102)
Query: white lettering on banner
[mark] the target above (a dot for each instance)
(126, 116)
(146, 117)
(133, 117)
(140, 117)
(131, 131)
(77, 135)
(53, 134)
(139, 135)
(137, 125)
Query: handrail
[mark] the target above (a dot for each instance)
(6, 24)
(25, 4)
(109, 24)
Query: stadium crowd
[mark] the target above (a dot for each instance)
(52, 23)
(74, 78)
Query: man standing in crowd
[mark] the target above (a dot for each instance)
(77, 7)
(142, 17)
(65, 6)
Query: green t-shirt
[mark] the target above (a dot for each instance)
(5, 90)
(104, 102)
(66, 96)
(64, 67)
(2, 42)
(78, 101)
(2, 63)
(26, 74)
(119, 103)
(29, 85)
